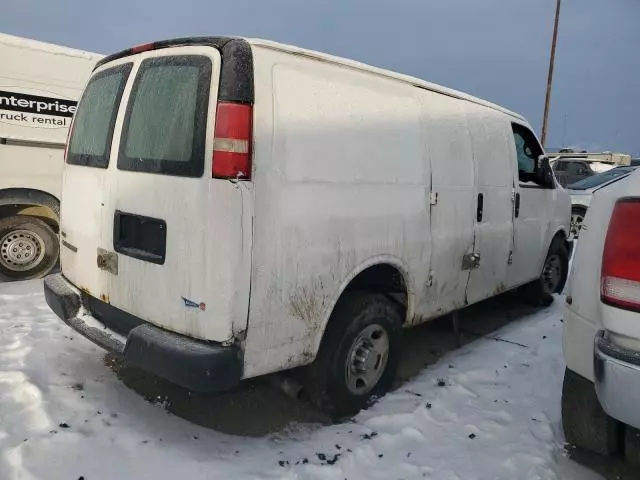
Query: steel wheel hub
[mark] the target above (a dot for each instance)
(367, 359)
(552, 273)
(21, 250)
(576, 224)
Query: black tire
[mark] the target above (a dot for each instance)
(40, 241)
(540, 291)
(577, 217)
(585, 423)
(632, 446)
(327, 380)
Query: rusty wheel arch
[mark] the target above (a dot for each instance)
(379, 275)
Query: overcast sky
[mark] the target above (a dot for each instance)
(494, 49)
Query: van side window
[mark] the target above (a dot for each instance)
(528, 150)
(164, 128)
(90, 142)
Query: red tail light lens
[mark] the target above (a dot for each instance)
(620, 279)
(232, 141)
(145, 47)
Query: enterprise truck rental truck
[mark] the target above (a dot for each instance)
(40, 84)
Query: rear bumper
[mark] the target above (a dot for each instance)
(196, 365)
(617, 380)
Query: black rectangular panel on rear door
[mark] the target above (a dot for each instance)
(140, 237)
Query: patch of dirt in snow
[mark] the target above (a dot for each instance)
(64, 414)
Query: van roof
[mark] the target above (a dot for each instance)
(220, 42)
(29, 44)
(380, 71)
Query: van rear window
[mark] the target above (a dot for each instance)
(90, 142)
(165, 124)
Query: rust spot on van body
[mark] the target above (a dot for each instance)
(501, 288)
(308, 304)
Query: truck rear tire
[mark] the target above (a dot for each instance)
(585, 423)
(632, 446)
(359, 354)
(28, 248)
(552, 278)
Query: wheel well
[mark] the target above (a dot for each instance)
(560, 235)
(382, 278)
(33, 203)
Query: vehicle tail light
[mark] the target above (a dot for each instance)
(145, 47)
(232, 141)
(620, 278)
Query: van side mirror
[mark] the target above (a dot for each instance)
(545, 174)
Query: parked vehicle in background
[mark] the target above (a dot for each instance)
(39, 86)
(620, 159)
(582, 191)
(601, 389)
(257, 207)
(571, 170)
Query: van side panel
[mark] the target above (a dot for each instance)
(340, 173)
(31, 152)
(452, 216)
(490, 137)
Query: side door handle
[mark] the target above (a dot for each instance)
(480, 207)
(517, 206)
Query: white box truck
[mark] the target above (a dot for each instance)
(233, 208)
(40, 84)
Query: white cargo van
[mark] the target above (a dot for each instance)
(233, 208)
(39, 87)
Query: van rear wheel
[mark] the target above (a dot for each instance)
(359, 354)
(28, 248)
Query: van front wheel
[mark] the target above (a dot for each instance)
(359, 354)
(28, 248)
(552, 278)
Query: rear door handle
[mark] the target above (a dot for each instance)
(480, 207)
(517, 206)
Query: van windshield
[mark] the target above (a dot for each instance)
(90, 142)
(165, 124)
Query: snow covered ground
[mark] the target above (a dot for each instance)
(490, 410)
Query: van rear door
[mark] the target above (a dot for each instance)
(169, 248)
(85, 185)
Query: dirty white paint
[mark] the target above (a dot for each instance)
(587, 314)
(348, 161)
(345, 162)
(208, 235)
(32, 155)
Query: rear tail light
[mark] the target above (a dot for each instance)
(620, 279)
(232, 141)
(145, 47)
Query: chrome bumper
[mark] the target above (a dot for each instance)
(617, 380)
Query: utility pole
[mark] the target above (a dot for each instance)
(552, 60)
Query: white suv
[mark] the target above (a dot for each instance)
(601, 391)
